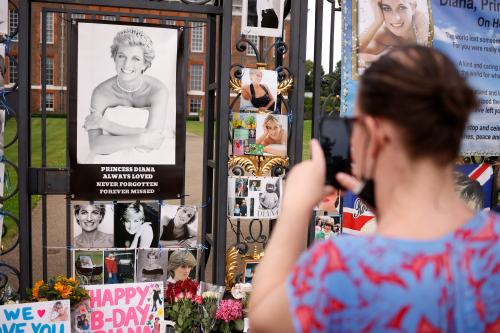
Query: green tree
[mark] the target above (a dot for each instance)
(325, 91)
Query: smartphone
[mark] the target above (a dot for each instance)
(335, 136)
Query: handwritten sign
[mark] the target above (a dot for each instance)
(42, 317)
(126, 308)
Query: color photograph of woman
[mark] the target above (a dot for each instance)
(241, 208)
(126, 94)
(182, 264)
(259, 90)
(272, 134)
(241, 187)
(93, 226)
(262, 17)
(178, 226)
(59, 313)
(151, 265)
(387, 24)
(136, 225)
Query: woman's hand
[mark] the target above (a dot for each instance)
(93, 121)
(377, 12)
(262, 108)
(185, 242)
(305, 185)
(152, 139)
(266, 131)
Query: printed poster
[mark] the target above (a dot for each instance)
(254, 197)
(358, 219)
(114, 308)
(262, 17)
(466, 31)
(126, 111)
(259, 90)
(259, 134)
(52, 316)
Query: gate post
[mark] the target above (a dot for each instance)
(298, 32)
(24, 146)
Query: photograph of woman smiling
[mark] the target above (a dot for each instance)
(136, 225)
(395, 23)
(91, 218)
(273, 133)
(126, 105)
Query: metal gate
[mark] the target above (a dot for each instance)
(47, 181)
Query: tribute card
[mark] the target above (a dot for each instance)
(327, 226)
(254, 197)
(178, 226)
(119, 266)
(93, 226)
(261, 134)
(110, 158)
(182, 264)
(259, 90)
(114, 308)
(52, 316)
(262, 17)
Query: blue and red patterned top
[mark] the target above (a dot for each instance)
(381, 284)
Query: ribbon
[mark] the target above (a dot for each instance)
(7, 174)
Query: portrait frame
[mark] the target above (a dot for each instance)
(248, 29)
(151, 178)
(246, 263)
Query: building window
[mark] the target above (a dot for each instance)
(49, 76)
(77, 16)
(109, 18)
(196, 77)
(49, 101)
(255, 40)
(13, 20)
(50, 27)
(12, 70)
(197, 36)
(136, 19)
(194, 105)
(172, 22)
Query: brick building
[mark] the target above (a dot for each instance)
(57, 48)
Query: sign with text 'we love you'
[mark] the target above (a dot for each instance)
(41, 317)
(126, 308)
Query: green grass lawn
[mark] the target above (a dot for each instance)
(56, 157)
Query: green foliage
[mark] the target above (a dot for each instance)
(184, 314)
(309, 79)
(308, 106)
(192, 118)
(49, 115)
(233, 325)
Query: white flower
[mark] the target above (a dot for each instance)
(240, 289)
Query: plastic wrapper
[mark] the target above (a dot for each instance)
(212, 295)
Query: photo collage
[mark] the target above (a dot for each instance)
(259, 134)
(254, 197)
(134, 225)
(112, 266)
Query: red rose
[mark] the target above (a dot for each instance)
(150, 316)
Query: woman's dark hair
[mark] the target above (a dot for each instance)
(421, 92)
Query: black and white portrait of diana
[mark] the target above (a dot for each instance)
(262, 17)
(179, 226)
(126, 97)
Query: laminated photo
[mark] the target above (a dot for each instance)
(260, 198)
(327, 226)
(329, 203)
(93, 226)
(151, 265)
(178, 226)
(136, 225)
(182, 264)
(259, 90)
(262, 17)
(119, 266)
(262, 134)
(88, 267)
(126, 111)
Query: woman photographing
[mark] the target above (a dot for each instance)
(128, 111)
(258, 94)
(432, 263)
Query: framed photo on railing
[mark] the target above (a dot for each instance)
(262, 17)
(249, 268)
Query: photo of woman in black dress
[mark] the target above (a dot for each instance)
(179, 226)
(261, 91)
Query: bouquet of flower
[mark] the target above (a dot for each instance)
(56, 289)
(181, 305)
(229, 317)
(208, 310)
